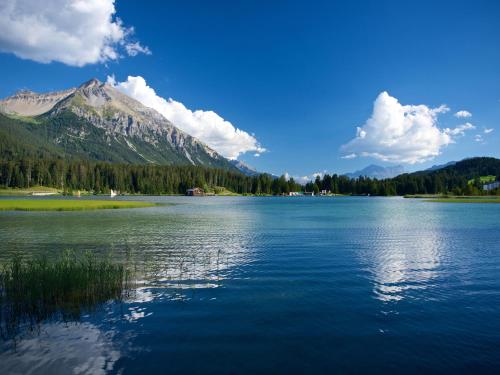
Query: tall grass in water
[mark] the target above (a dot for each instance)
(32, 291)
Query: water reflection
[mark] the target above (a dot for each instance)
(174, 252)
(79, 348)
(405, 251)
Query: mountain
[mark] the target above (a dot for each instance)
(441, 166)
(245, 168)
(377, 171)
(467, 169)
(96, 121)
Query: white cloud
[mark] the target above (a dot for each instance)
(74, 32)
(479, 138)
(304, 179)
(460, 130)
(488, 130)
(349, 156)
(401, 133)
(463, 114)
(207, 126)
(133, 49)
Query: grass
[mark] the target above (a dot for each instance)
(28, 119)
(32, 291)
(67, 205)
(27, 191)
(484, 179)
(466, 200)
(424, 196)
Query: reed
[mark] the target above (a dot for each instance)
(36, 290)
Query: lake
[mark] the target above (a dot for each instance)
(247, 285)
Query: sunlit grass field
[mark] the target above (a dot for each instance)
(67, 205)
(28, 191)
(466, 200)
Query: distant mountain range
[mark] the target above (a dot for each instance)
(245, 168)
(441, 166)
(468, 169)
(378, 172)
(96, 121)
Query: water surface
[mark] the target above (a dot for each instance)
(244, 285)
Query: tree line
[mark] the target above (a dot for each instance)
(100, 177)
(463, 178)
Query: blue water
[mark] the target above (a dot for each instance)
(277, 286)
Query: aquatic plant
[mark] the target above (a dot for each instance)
(35, 290)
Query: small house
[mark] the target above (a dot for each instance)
(309, 193)
(491, 186)
(195, 192)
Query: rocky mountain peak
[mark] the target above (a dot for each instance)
(94, 82)
(126, 127)
(24, 93)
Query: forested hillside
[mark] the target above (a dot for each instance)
(97, 122)
(100, 177)
(454, 179)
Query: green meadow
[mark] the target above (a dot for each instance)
(67, 205)
(484, 179)
(466, 200)
(28, 191)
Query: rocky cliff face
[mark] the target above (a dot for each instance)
(97, 113)
(29, 103)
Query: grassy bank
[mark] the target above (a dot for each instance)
(28, 191)
(67, 205)
(465, 200)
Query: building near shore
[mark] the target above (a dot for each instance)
(491, 186)
(195, 192)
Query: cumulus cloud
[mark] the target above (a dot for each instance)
(349, 156)
(460, 129)
(133, 49)
(479, 138)
(463, 114)
(401, 133)
(74, 32)
(304, 179)
(488, 130)
(207, 126)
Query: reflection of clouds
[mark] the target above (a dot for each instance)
(400, 266)
(80, 348)
(405, 254)
(136, 313)
(177, 249)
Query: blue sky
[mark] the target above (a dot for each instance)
(302, 76)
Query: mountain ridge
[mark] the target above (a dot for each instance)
(97, 121)
(377, 171)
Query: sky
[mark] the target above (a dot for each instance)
(285, 86)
